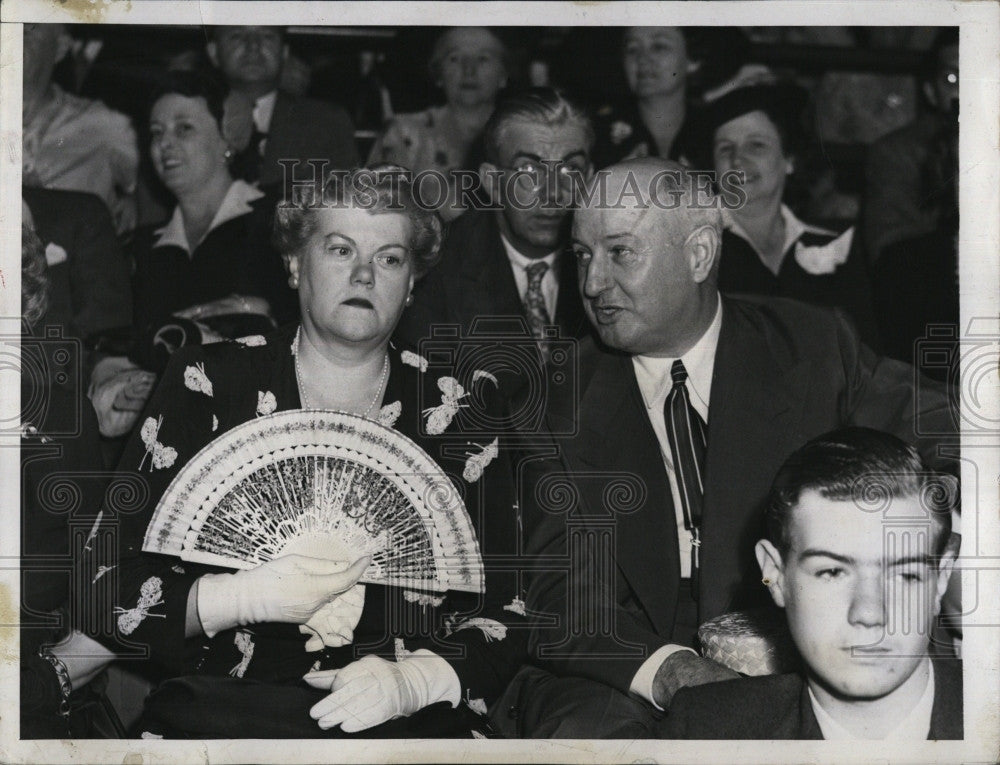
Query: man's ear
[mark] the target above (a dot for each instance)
(772, 570)
(213, 53)
(945, 568)
(490, 180)
(701, 248)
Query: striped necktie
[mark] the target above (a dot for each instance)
(686, 435)
(534, 300)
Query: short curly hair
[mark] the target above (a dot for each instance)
(378, 189)
(34, 279)
(438, 51)
(204, 83)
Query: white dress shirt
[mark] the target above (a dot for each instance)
(550, 281)
(653, 376)
(263, 110)
(914, 727)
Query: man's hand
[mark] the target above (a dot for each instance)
(682, 669)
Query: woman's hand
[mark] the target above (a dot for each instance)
(371, 690)
(119, 391)
(333, 625)
(288, 589)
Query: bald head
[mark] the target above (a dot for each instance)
(647, 241)
(682, 200)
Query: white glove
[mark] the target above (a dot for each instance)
(333, 625)
(372, 690)
(288, 589)
(119, 391)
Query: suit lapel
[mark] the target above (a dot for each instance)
(569, 316)
(947, 712)
(808, 725)
(486, 283)
(281, 115)
(617, 438)
(753, 417)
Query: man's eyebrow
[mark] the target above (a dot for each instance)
(815, 552)
(908, 560)
(577, 153)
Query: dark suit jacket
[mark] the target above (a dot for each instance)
(89, 290)
(474, 279)
(778, 707)
(784, 372)
(304, 129)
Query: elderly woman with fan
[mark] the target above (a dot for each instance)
(289, 645)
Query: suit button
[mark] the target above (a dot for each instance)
(513, 712)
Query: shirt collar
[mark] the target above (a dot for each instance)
(914, 727)
(235, 203)
(653, 373)
(518, 260)
(263, 110)
(794, 229)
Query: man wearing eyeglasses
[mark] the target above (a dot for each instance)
(507, 259)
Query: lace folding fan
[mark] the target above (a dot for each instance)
(324, 484)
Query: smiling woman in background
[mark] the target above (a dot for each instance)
(470, 65)
(209, 272)
(757, 130)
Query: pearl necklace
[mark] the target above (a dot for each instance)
(302, 388)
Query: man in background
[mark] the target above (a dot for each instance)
(287, 127)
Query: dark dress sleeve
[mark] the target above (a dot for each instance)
(484, 637)
(134, 602)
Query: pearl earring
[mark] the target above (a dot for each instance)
(409, 300)
(293, 281)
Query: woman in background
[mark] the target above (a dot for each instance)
(470, 65)
(210, 271)
(665, 69)
(757, 130)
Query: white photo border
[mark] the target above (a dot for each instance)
(979, 263)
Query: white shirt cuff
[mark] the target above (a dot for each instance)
(642, 683)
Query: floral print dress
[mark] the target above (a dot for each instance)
(136, 602)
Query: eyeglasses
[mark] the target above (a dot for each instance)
(533, 175)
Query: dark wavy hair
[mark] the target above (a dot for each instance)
(859, 465)
(204, 83)
(378, 189)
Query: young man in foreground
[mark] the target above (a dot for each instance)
(858, 553)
